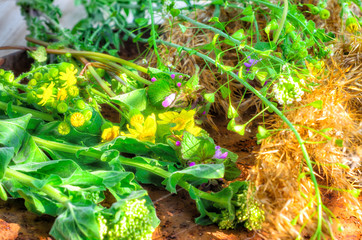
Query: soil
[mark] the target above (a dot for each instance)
(176, 211)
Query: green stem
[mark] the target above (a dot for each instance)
(68, 148)
(282, 21)
(28, 180)
(101, 82)
(153, 30)
(35, 113)
(92, 55)
(124, 70)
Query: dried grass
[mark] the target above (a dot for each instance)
(281, 187)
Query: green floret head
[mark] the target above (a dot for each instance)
(132, 220)
(245, 211)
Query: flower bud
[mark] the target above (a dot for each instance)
(38, 76)
(315, 10)
(9, 77)
(324, 14)
(351, 24)
(63, 128)
(73, 91)
(77, 119)
(80, 104)
(62, 107)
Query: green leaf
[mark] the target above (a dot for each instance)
(182, 27)
(189, 146)
(317, 104)
(6, 153)
(79, 222)
(225, 92)
(262, 133)
(339, 142)
(175, 12)
(232, 113)
(3, 194)
(135, 99)
(140, 21)
(240, 129)
(39, 55)
(158, 91)
(199, 171)
(231, 170)
(13, 131)
(210, 97)
(248, 10)
(193, 82)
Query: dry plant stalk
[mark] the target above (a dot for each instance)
(278, 176)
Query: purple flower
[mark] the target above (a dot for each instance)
(204, 112)
(180, 76)
(169, 99)
(178, 84)
(178, 143)
(153, 79)
(218, 154)
(192, 164)
(173, 76)
(251, 62)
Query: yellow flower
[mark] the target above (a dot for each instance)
(47, 94)
(191, 128)
(143, 130)
(68, 76)
(109, 134)
(180, 119)
(63, 128)
(77, 119)
(137, 119)
(62, 94)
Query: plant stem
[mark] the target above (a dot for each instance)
(282, 21)
(28, 180)
(101, 82)
(66, 147)
(124, 70)
(35, 113)
(153, 30)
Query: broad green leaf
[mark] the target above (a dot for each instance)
(158, 91)
(199, 171)
(6, 154)
(79, 222)
(248, 10)
(29, 152)
(13, 131)
(231, 170)
(135, 99)
(339, 142)
(189, 146)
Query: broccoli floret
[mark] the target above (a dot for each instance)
(131, 221)
(247, 212)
